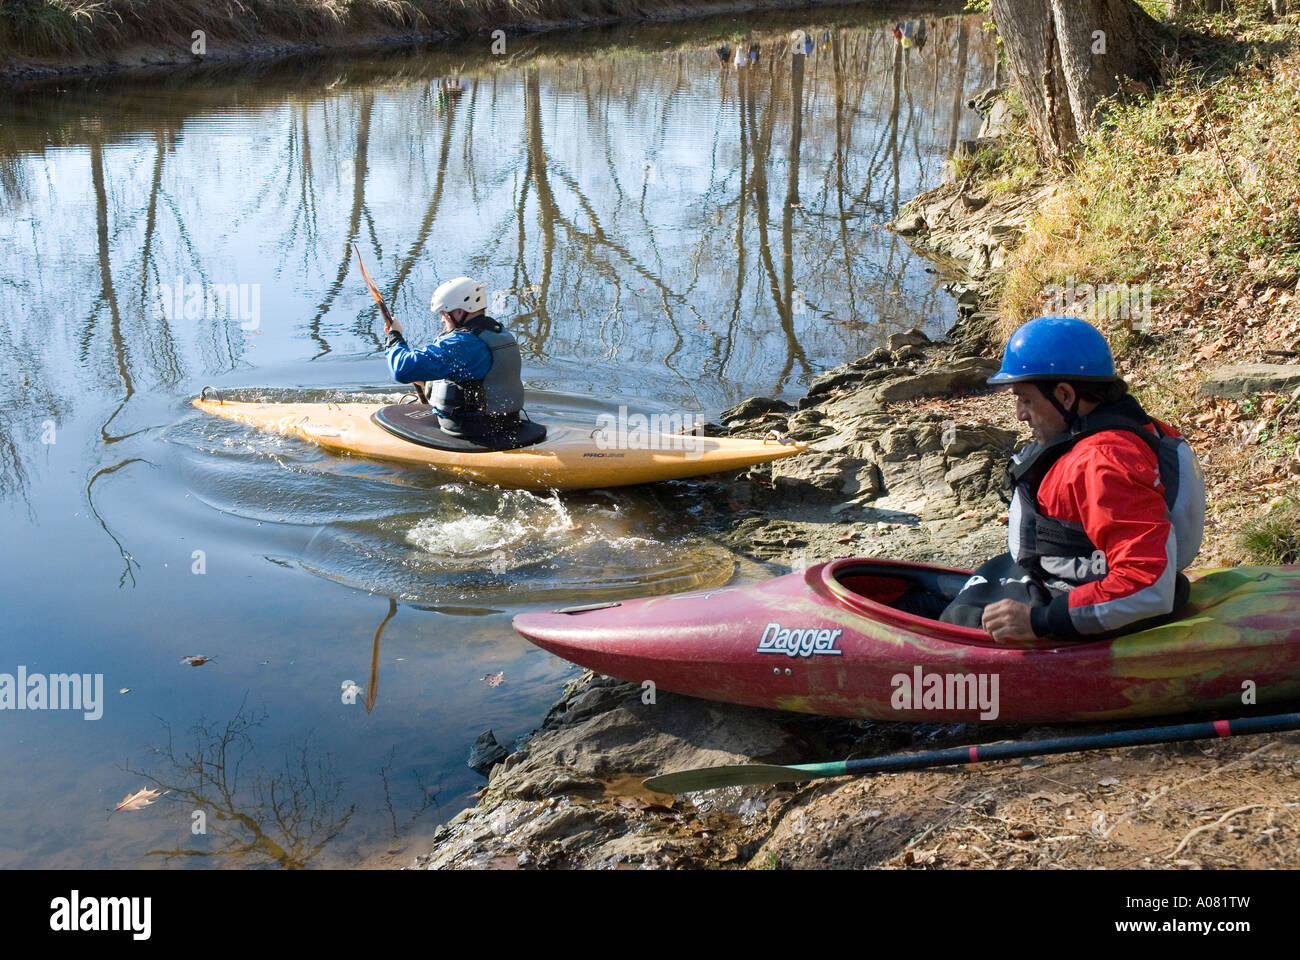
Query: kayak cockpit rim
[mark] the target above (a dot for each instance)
(851, 581)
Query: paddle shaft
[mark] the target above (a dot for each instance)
(1097, 741)
(710, 778)
(388, 317)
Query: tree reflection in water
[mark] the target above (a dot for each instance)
(285, 818)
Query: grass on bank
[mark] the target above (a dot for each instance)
(1193, 188)
(1274, 538)
(54, 28)
(1009, 166)
(1201, 177)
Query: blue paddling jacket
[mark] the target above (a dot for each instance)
(473, 374)
(458, 356)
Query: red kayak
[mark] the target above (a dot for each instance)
(833, 640)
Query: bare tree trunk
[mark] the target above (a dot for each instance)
(958, 84)
(1068, 55)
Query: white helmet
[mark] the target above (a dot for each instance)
(462, 293)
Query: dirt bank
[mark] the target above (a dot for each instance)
(572, 798)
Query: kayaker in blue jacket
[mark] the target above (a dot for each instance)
(473, 368)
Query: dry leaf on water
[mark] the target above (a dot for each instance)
(138, 800)
(494, 679)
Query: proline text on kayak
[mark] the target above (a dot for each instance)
(658, 431)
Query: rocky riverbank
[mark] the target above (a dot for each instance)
(905, 450)
(904, 461)
(571, 798)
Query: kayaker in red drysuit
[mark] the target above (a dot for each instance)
(1108, 504)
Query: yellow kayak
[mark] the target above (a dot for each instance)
(570, 458)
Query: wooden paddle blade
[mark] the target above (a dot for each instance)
(737, 775)
(370, 285)
(420, 389)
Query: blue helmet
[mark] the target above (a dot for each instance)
(1056, 348)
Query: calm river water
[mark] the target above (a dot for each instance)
(659, 229)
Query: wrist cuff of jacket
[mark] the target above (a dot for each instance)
(394, 338)
(1054, 620)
